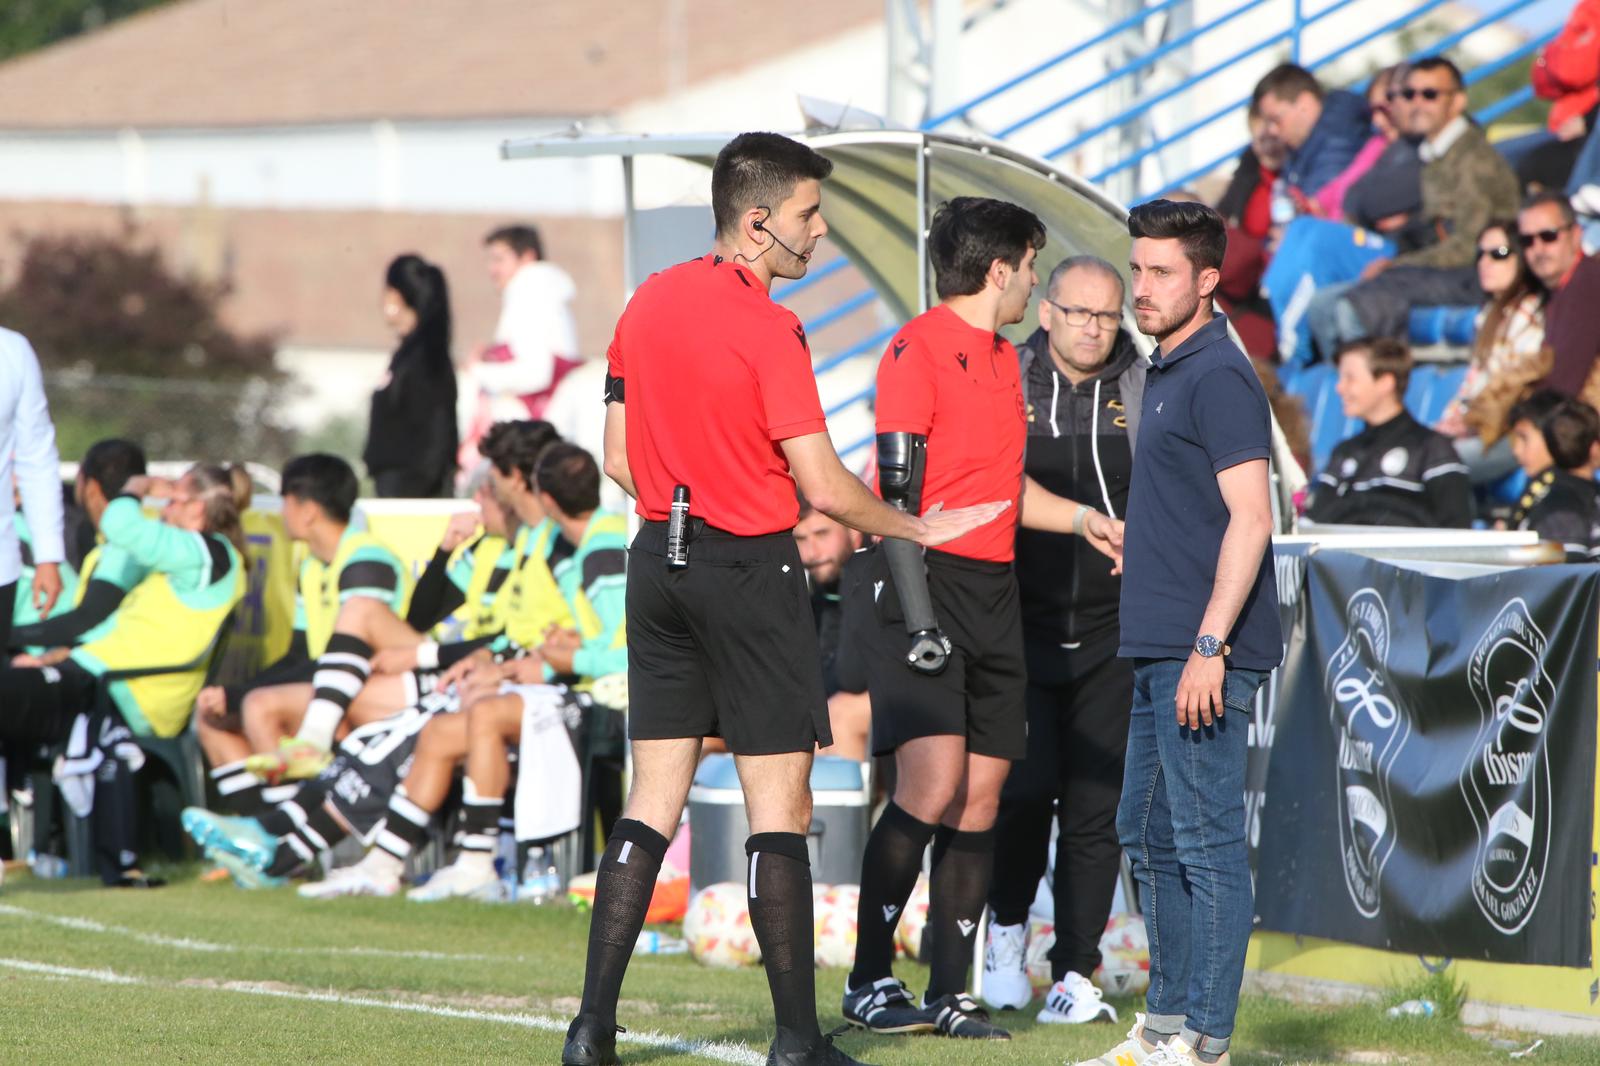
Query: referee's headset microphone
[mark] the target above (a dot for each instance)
(760, 226)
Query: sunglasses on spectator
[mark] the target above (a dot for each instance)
(1499, 254)
(1543, 236)
(1426, 94)
(1079, 316)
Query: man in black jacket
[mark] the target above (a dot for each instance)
(1083, 382)
(1396, 471)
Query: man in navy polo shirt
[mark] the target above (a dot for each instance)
(1200, 622)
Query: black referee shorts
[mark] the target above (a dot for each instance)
(981, 694)
(726, 647)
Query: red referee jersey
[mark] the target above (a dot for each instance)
(962, 389)
(716, 375)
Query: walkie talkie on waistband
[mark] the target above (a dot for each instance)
(678, 529)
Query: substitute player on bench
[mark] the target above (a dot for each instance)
(711, 396)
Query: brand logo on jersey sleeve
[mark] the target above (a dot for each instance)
(897, 348)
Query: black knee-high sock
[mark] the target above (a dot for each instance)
(957, 891)
(341, 672)
(316, 832)
(889, 872)
(780, 915)
(622, 889)
(238, 789)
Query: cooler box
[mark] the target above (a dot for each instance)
(718, 825)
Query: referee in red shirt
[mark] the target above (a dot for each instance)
(952, 428)
(710, 388)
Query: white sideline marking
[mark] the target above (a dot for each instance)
(89, 925)
(735, 1054)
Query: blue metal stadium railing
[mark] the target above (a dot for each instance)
(1301, 30)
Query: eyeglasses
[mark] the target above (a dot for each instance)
(1543, 236)
(1426, 94)
(1503, 252)
(1079, 316)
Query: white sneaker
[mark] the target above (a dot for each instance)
(358, 880)
(460, 881)
(1074, 1000)
(1177, 1053)
(1005, 970)
(1132, 1051)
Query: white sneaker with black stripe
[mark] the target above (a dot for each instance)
(959, 1015)
(1005, 971)
(885, 1006)
(1074, 1000)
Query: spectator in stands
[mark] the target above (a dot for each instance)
(1566, 73)
(1288, 411)
(1554, 438)
(535, 341)
(1329, 200)
(1388, 197)
(1508, 355)
(1552, 241)
(1396, 472)
(1246, 206)
(411, 437)
(825, 546)
(1324, 131)
(1465, 183)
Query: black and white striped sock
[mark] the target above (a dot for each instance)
(239, 789)
(342, 670)
(405, 827)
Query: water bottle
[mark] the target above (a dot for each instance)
(47, 867)
(1282, 203)
(505, 864)
(1413, 1008)
(653, 943)
(541, 881)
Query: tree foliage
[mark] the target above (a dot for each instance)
(26, 25)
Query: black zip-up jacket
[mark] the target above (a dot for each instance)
(1398, 474)
(1080, 445)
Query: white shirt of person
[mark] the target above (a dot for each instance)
(28, 455)
(537, 325)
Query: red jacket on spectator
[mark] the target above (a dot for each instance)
(1568, 68)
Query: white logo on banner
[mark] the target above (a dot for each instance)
(1506, 777)
(1372, 728)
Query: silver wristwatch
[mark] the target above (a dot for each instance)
(1208, 647)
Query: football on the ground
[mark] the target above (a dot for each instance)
(1125, 957)
(914, 920)
(835, 924)
(717, 927)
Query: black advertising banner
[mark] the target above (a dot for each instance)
(1431, 781)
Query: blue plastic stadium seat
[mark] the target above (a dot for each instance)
(1454, 326)
(1447, 378)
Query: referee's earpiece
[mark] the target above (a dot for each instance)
(760, 226)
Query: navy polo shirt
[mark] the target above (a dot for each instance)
(1204, 411)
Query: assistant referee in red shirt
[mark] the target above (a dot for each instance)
(952, 429)
(710, 387)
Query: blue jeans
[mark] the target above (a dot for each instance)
(1182, 823)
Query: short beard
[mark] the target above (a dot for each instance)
(1170, 323)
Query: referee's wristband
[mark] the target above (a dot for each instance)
(428, 655)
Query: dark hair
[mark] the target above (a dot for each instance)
(1570, 432)
(1536, 408)
(1498, 313)
(326, 480)
(519, 238)
(110, 463)
(1198, 228)
(571, 477)
(1428, 63)
(1287, 81)
(760, 170)
(516, 446)
(1385, 355)
(1555, 197)
(1083, 262)
(969, 233)
(422, 286)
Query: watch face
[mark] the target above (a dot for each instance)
(1207, 646)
